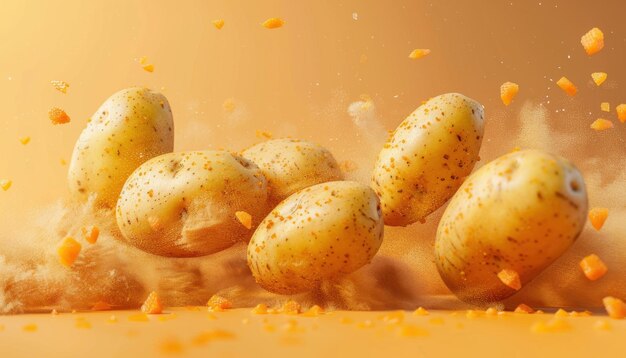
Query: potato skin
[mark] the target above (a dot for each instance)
(427, 158)
(130, 127)
(184, 204)
(321, 232)
(519, 212)
(292, 164)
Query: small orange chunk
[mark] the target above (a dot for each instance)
(420, 311)
(25, 140)
(567, 86)
(68, 251)
(273, 23)
(218, 24)
(599, 77)
(508, 91)
(605, 107)
(218, 303)
(522, 308)
(419, 53)
(261, 308)
(264, 134)
(291, 307)
(593, 267)
(30, 327)
(148, 67)
(60, 86)
(621, 112)
(592, 41)
(5, 184)
(601, 124)
(58, 116)
(244, 218)
(90, 234)
(597, 217)
(314, 311)
(553, 326)
(510, 278)
(152, 304)
(615, 307)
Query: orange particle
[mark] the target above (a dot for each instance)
(314, 311)
(264, 134)
(273, 23)
(602, 325)
(25, 140)
(555, 325)
(567, 86)
(152, 305)
(510, 278)
(561, 313)
(601, 124)
(261, 308)
(605, 107)
(420, 311)
(615, 307)
(218, 303)
(522, 308)
(592, 41)
(101, 306)
(215, 335)
(58, 116)
(68, 251)
(621, 112)
(148, 67)
(419, 53)
(508, 91)
(244, 218)
(60, 86)
(90, 234)
(599, 77)
(218, 24)
(291, 307)
(593, 267)
(30, 327)
(5, 184)
(597, 217)
(412, 331)
(139, 317)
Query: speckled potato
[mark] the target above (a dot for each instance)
(519, 212)
(184, 204)
(130, 127)
(319, 233)
(427, 158)
(291, 164)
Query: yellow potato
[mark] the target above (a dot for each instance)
(291, 164)
(518, 213)
(319, 233)
(427, 158)
(185, 204)
(130, 127)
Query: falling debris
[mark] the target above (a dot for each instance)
(593, 41)
(218, 24)
(25, 140)
(599, 77)
(508, 91)
(567, 86)
(601, 124)
(60, 86)
(273, 23)
(419, 53)
(58, 116)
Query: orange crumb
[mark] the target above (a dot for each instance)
(597, 217)
(508, 91)
(510, 278)
(420, 311)
(601, 124)
(218, 24)
(621, 112)
(419, 53)
(264, 134)
(592, 41)
(68, 251)
(615, 307)
(314, 311)
(291, 307)
(491, 311)
(152, 305)
(90, 234)
(25, 140)
(139, 317)
(218, 303)
(553, 326)
(472, 314)
(522, 308)
(599, 77)
(561, 313)
(63, 162)
(30, 327)
(60, 86)
(393, 317)
(5, 184)
(412, 331)
(605, 107)
(567, 86)
(261, 308)
(101, 306)
(580, 314)
(244, 218)
(593, 267)
(214, 335)
(58, 116)
(273, 23)
(148, 67)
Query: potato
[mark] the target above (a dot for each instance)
(517, 213)
(427, 158)
(132, 126)
(291, 164)
(184, 204)
(319, 233)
